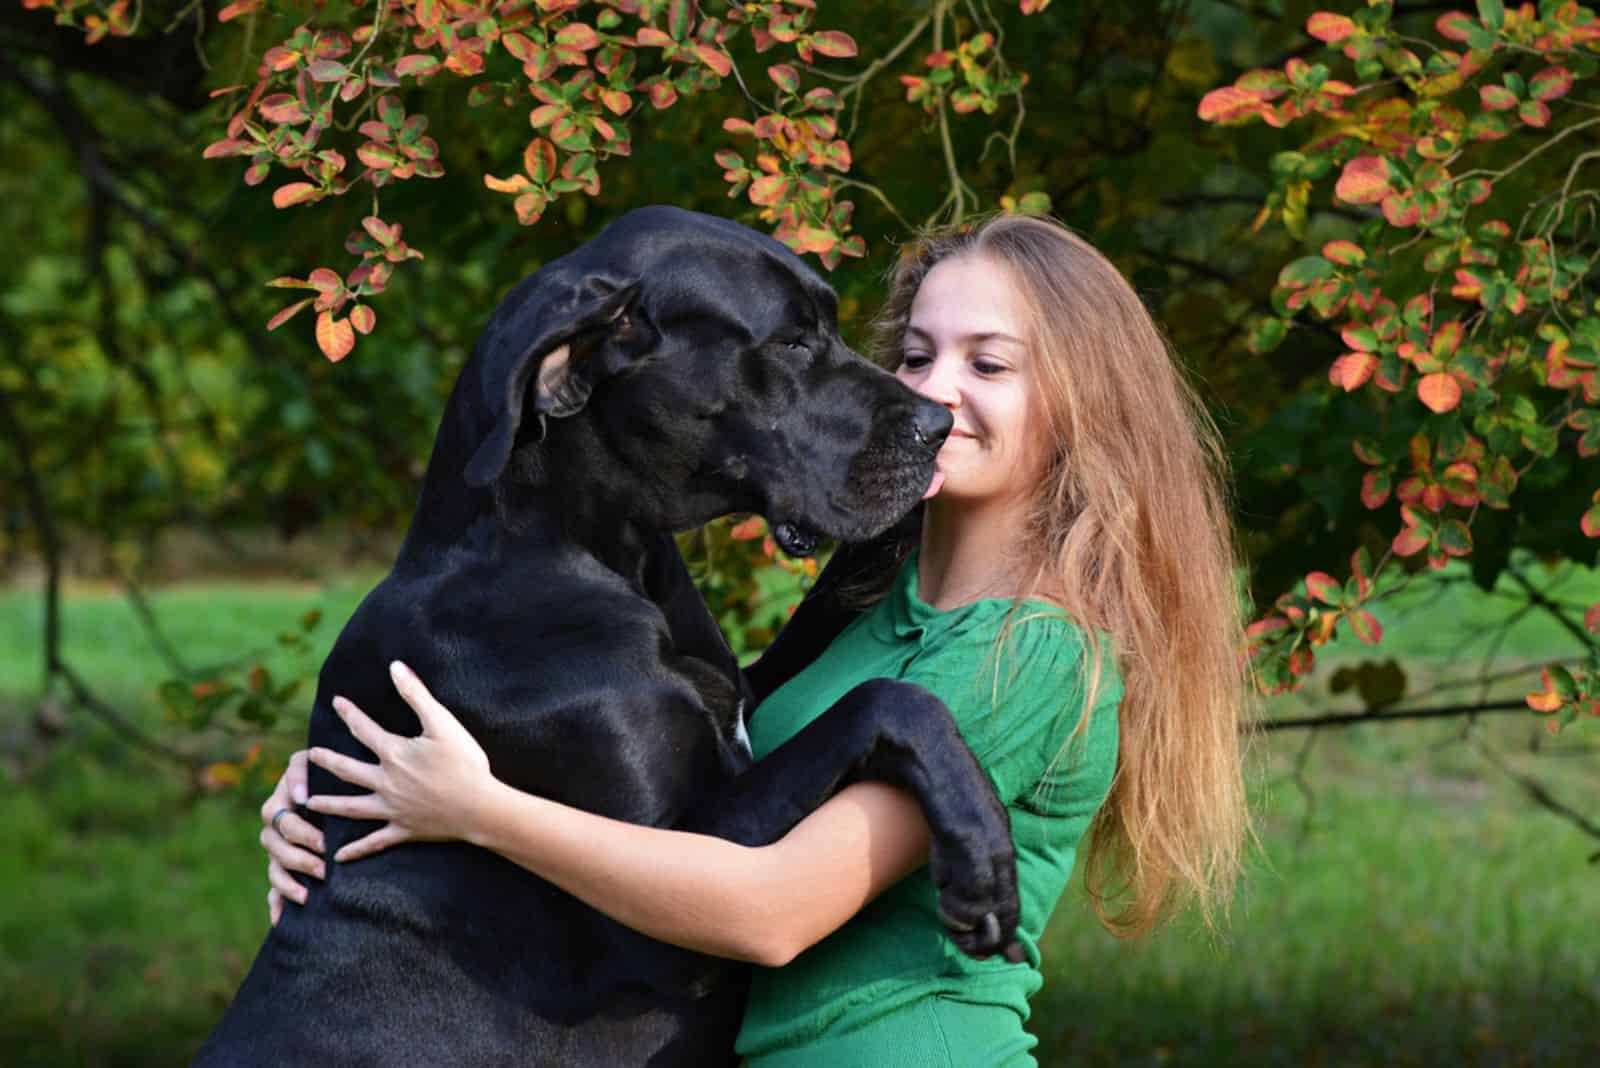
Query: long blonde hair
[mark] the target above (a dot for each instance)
(1131, 533)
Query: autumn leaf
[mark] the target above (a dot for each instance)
(334, 337)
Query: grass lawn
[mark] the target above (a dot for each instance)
(1408, 904)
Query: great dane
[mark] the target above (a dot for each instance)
(676, 368)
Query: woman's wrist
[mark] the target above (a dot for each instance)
(483, 812)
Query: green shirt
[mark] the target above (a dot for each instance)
(1016, 711)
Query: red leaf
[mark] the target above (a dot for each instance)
(293, 193)
(578, 35)
(334, 337)
(287, 313)
(713, 57)
(1535, 113)
(539, 159)
(1365, 180)
(237, 8)
(1375, 486)
(663, 95)
(769, 189)
(1439, 391)
(1229, 105)
(1409, 542)
(834, 43)
(227, 147)
(749, 529)
(1455, 25)
(1329, 28)
(1366, 626)
(1322, 586)
(1345, 253)
(1550, 83)
(785, 77)
(282, 108)
(1591, 618)
(363, 318)
(419, 66)
(1497, 98)
(1352, 370)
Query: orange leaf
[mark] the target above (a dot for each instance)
(1229, 104)
(1352, 370)
(1547, 701)
(294, 193)
(363, 318)
(1365, 180)
(834, 43)
(334, 337)
(1329, 28)
(1439, 391)
(287, 313)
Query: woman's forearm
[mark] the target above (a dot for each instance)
(688, 889)
(762, 904)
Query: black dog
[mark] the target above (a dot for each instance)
(676, 368)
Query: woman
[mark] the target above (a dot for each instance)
(1071, 597)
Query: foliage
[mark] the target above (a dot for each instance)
(1464, 300)
(147, 395)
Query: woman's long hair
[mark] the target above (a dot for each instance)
(1130, 533)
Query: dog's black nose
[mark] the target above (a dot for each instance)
(931, 423)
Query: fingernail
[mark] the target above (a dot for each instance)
(299, 794)
(322, 871)
(341, 704)
(397, 670)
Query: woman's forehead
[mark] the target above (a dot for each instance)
(965, 296)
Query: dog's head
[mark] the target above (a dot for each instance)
(699, 365)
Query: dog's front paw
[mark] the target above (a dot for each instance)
(978, 900)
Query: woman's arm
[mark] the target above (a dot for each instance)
(764, 904)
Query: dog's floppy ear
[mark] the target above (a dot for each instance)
(536, 334)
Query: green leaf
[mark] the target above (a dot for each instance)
(1304, 271)
(1492, 13)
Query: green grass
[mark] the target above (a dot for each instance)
(1410, 907)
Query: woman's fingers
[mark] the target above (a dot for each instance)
(357, 772)
(274, 906)
(285, 884)
(358, 807)
(298, 830)
(376, 842)
(432, 714)
(295, 777)
(292, 857)
(361, 725)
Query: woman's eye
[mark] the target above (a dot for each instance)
(913, 360)
(988, 367)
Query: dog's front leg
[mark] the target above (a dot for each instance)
(899, 733)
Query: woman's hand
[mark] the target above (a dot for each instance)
(424, 787)
(292, 843)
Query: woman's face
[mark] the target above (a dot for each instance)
(964, 348)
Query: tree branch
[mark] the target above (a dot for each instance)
(1345, 719)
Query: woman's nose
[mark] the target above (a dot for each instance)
(939, 384)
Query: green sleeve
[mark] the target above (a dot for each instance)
(1017, 707)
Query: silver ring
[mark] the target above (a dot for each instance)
(276, 816)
